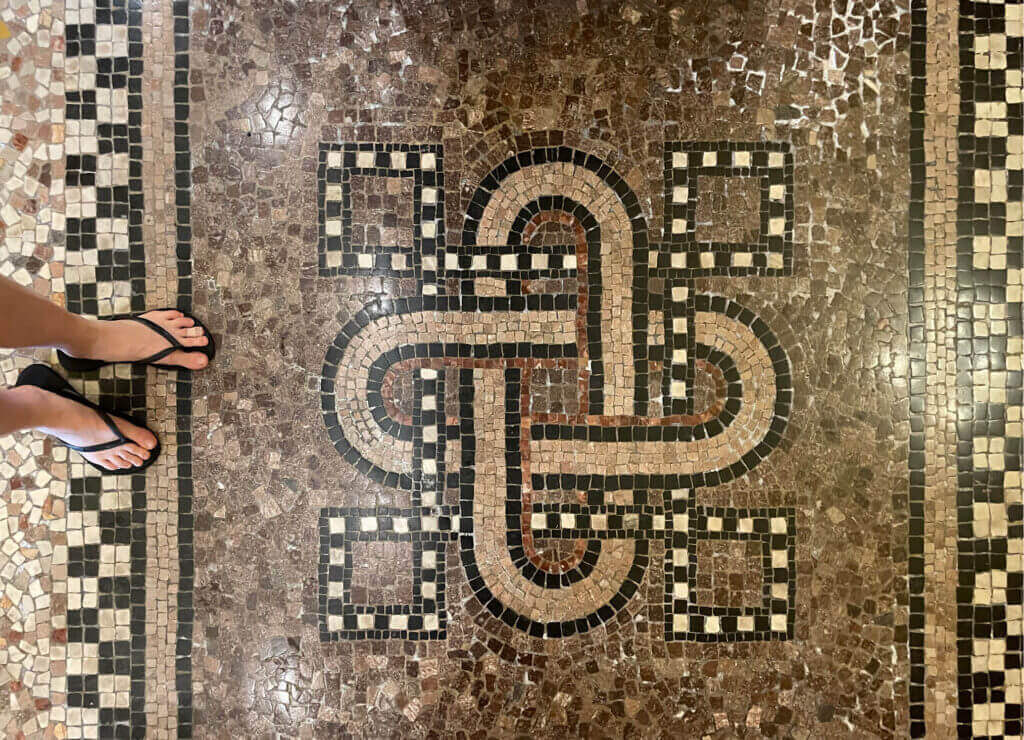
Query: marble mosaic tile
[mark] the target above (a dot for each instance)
(33, 481)
(624, 375)
(639, 370)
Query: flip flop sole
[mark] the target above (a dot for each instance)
(84, 365)
(43, 377)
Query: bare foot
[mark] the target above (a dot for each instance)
(79, 425)
(129, 341)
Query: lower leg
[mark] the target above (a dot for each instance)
(21, 409)
(28, 319)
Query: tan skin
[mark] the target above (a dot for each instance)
(30, 320)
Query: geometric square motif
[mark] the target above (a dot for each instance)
(346, 611)
(380, 209)
(713, 556)
(706, 233)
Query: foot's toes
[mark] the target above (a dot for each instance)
(112, 462)
(167, 318)
(140, 435)
(103, 461)
(135, 451)
(197, 360)
(190, 360)
(132, 460)
(189, 332)
(184, 322)
(191, 336)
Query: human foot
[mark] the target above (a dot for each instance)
(81, 426)
(125, 340)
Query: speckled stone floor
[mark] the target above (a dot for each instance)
(585, 369)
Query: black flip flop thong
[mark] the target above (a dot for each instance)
(81, 364)
(43, 377)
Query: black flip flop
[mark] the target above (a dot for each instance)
(82, 365)
(43, 377)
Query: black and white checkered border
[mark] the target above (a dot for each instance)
(519, 262)
(678, 352)
(597, 521)
(990, 512)
(105, 257)
(506, 268)
(682, 255)
(103, 668)
(424, 163)
(105, 276)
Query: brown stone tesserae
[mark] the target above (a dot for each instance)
(584, 368)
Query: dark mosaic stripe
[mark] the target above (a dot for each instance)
(917, 367)
(183, 227)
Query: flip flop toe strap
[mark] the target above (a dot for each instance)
(119, 438)
(98, 448)
(157, 356)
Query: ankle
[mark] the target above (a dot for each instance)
(27, 407)
(85, 337)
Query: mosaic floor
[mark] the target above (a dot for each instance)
(585, 369)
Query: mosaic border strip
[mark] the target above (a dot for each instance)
(106, 276)
(990, 384)
(917, 369)
(183, 387)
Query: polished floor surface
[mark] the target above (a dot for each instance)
(585, 369)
